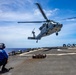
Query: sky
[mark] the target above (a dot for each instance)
(15, 35)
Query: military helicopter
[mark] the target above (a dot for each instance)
(49, 26)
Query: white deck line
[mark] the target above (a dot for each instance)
(23, 54)
(72, 48)
(60, 54)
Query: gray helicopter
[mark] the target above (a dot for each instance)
(49, 26)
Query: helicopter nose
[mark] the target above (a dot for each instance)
(54, 26)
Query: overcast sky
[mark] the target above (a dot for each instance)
(15, 35)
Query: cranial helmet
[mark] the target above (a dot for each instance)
(2, 45)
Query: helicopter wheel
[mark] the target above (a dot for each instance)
(56, 34)
(37, 41)
(46, 33)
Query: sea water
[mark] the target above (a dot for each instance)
(14, 49)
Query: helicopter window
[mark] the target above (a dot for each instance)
(54, 25)
(46, 25)
(42, 26)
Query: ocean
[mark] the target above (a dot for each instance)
(14, 49)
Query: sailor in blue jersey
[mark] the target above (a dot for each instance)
(3, 57)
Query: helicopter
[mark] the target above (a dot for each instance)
(48, 27)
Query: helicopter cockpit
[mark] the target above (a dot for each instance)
(42, 26)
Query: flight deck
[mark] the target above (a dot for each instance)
(57, 62)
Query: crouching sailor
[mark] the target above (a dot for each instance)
(3, 57)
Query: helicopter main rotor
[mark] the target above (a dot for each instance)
(31, 21)
(40, 8)
(69, 18)
(46, 19)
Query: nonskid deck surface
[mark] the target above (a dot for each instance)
(57, 62)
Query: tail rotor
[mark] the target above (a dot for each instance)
(33, 32)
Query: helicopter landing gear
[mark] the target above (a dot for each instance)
(46, 33)
(56, 34)
(37, 41)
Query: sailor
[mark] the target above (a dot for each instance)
(3, 57)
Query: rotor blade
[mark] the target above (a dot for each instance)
(41, 11)
(31, 21)
(69, 18)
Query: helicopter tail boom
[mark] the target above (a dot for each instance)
(31, 37)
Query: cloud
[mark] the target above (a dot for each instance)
(15, 35)
(70, 20)
(48, 13)
(20, 31)
(21, 10)
(17, 16)
(15, 5)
